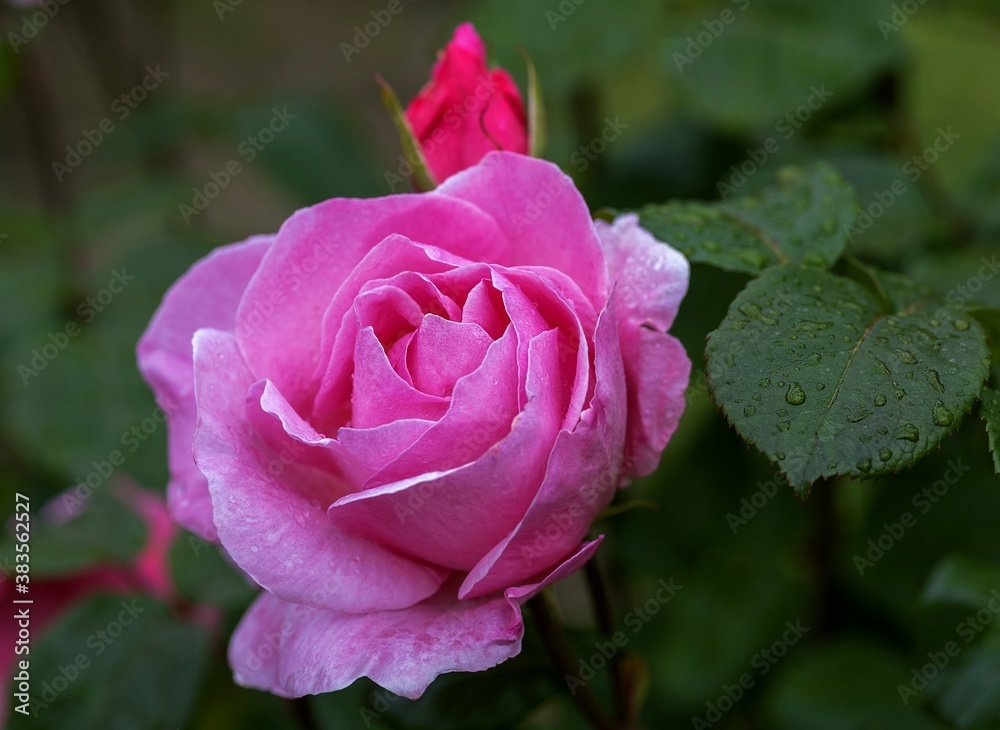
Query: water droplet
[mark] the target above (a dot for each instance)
(906, 356)
(961, 324)
(730, 359)
(880, 366)
(710, 245)
(765, 383)
(882, 430)
(749, 411)
(935, 380)
(885, 454)
(779, 455)
(784, 425)
(821, 386)
(864, 466)
(781, 413)
(899, 393)
(795, 395)
(908, 432)
(880, 400)
(756, 397)
(254, 548)
(941, 415)
(769, 321)
(750, 310)
(859, 416)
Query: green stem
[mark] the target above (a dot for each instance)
(562, 655)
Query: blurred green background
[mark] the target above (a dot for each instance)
(897, 73)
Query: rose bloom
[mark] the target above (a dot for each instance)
(51, 596)
(405, 413)
(467, 109)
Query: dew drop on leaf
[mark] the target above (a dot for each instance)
(941, 415)
(795, 395)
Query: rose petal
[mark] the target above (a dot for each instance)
(583, 472)
(651, 279)
(452, 517)
(280, 318)
(442, 351)
(294, 650)
(273, 531)
(380, 396)
(541, 213)
(206, 296)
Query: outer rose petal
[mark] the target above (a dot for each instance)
(541, 213)
(206, 296)
(320, 651)
(275, 531)
(650, 280)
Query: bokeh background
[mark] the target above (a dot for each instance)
(897, 74)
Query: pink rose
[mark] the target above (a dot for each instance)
(406, 412)
(466, 110)
(148, 573)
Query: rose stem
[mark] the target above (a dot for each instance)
(562, 655)
(601, 601)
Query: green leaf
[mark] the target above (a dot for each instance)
(809, 368)
(989, 411)
(135, 666)
(102, 531)
(962, 580)
(968, 692)
(802, 218)
(756, 71)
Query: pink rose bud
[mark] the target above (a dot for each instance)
(467, 109)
